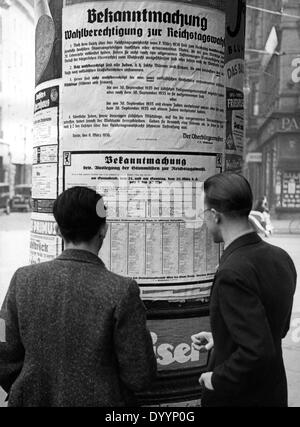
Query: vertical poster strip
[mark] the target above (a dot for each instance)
(44, 246)
(234, 74)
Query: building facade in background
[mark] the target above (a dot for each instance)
(16, 85)
(5, 162)
(272, 86)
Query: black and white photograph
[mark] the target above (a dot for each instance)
(150, 206)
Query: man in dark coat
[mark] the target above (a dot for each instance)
(76, 333)
(251, 304)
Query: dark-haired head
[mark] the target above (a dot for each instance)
(229, 194)
(75, 212)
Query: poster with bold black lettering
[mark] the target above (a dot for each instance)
(234, 75)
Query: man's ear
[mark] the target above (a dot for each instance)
(57, 229)
(217, 216)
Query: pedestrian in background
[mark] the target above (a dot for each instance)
(261, 205)
(76, 333)
(260, 217)
(250, 307)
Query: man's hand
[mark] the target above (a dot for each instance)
(205, 381)
(202, 341)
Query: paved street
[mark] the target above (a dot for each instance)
(291, 345)
(14, 250)
(14, 246)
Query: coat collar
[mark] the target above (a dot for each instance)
(245, 240)
(80, 255)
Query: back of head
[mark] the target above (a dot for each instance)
(76, 213)
(230, 194)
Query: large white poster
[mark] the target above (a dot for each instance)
(131, 102)
(144, 123)
(143, 75)
(157, 233)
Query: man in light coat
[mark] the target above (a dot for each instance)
(76, 333)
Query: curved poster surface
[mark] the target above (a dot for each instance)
(138, 113)
(44, 37)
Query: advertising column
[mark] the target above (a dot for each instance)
(131, 101)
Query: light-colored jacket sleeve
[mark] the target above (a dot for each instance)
(132, 341)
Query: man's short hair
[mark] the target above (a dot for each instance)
(229, 193)
(75, 211)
